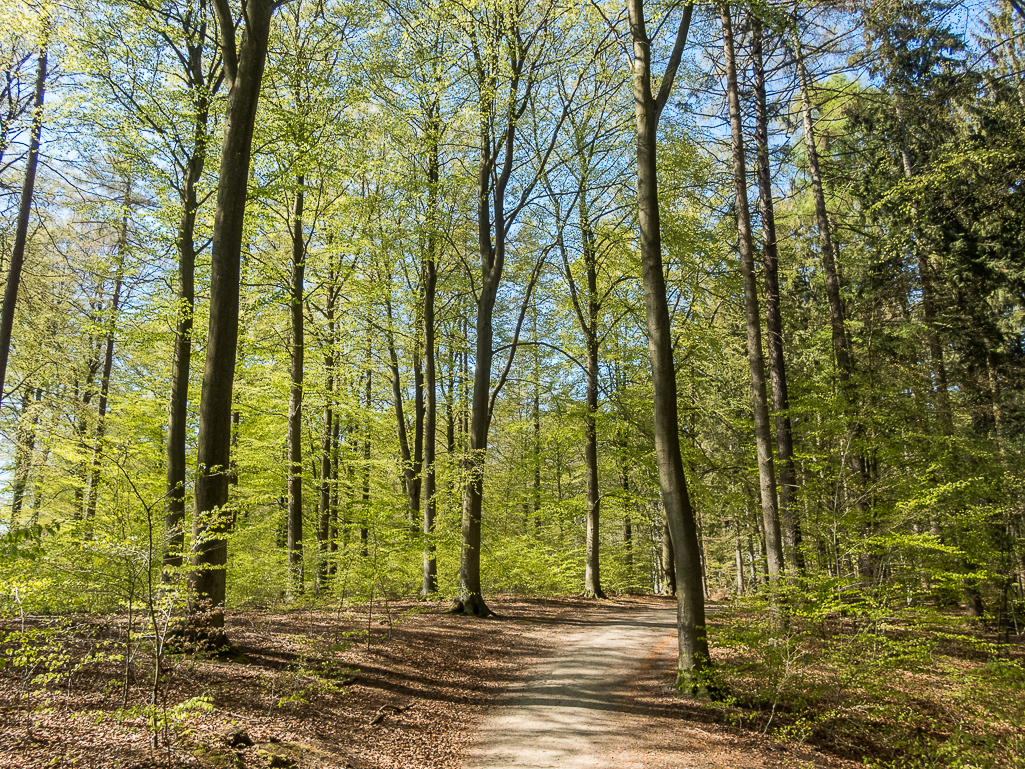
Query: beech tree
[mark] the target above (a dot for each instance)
(244, 53)
(694, 657)
(510, 50)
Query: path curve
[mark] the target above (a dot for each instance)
(575, 711)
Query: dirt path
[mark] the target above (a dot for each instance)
(576, 712)
(595, 702)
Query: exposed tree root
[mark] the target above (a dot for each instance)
(385, 709)
(473, 606)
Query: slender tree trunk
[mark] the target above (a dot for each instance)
(938, 379)
(837, 315)
(364, 530)
(739, 559)
(181, 365)
(338, 527)
(628, 544)
(668, 561)
(787, 474)
(295, 397)
(592, 571)
(756, 361)
(325, 533)
(110, 322)
(243, 67)
(21, 226)
(841, 345)
(410, 472)
(430, 566)
(694, 657)
(535, 413)
(23, 452)
(85, 394)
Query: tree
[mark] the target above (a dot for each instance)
(244, 58)
(25, 206)
(756, 360)
(507, 60)
(694, 659)
(787, 474)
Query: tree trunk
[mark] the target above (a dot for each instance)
(181, 365)
(23, 452)
(668, 561)
(787, 474)
(592, 572)
(325, 535)
(841, 345)
(410, 472)
(364, 530)
(628, 552)
(110, 322)
(21, 227)
(430, 565)
(243, 67)
(295, 397)
(694, 657)
(756, 361)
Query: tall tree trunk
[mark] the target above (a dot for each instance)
(938, 379)
(243, 69)
(787, 474)
(84, 393)
(295, 397)
(181, 365)
(841, 345)
(498, 140)
(430, 566)
(694, 657)
(338, 523)
(364, 530)
(325, 535)
(668, 561)
(837, 314)
(23, 451)
(535, 413)
(110, 324)
(628, 543)
(592, 571)
(410, 472)
(24, 213)
(756, 361)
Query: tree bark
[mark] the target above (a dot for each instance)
(752, 313)
(841, 345)
(21, 226)
(668, 561)
(110, 323)
(694, 657)
(295, 396)
(243, 68)
(325, 535)
(498, 140)
(181, 365)
(430, 282)
(364, 530)
(410, 468)
(787, 473)
(24, 449)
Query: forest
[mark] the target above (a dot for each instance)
(315, 303)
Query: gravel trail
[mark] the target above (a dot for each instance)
(575, 711)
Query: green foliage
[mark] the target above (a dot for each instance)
(844, 670)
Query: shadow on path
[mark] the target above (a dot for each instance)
(576, 711)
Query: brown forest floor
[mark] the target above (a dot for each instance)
(312, 689)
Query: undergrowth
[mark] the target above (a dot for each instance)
(872, 679)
